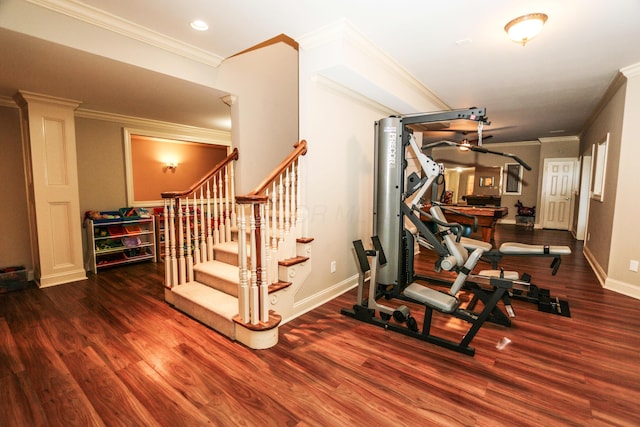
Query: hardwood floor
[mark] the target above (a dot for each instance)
(109, 351)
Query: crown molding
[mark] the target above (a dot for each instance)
(115, 24)
(631, 71)
(364, 45)
(7, 101)
(618, 81)
(353, 95)
(24, 97)
(201, 134)
(553, 139)
(191, 133)
(351, 49)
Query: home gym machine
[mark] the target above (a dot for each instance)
(398, 222)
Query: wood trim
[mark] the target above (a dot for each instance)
(216, 169)
(300, 150)
(274, 320)
(293, 261)
(282, 38)
(251, 198)
(618, 81)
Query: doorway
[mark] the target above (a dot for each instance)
(557, 195)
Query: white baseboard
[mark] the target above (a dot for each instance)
(623, 288)
(601, 275)
(303, 306)
(606, 282)
(509, 221)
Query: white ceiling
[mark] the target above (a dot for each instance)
(458, 49)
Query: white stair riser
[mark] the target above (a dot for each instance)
(208, 317)
(281, 301)
(218, 283)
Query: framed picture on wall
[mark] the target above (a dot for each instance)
(513, 179)
(599, 165)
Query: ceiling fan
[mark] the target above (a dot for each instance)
(476, 141)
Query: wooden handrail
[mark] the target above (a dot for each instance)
(174, 194)
(300, 149)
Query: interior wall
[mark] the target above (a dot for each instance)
(14, 225)
(625, 232)
(101, 167)
(151, 176)
(264, 115)
(339, 127)
(339, 177)
(564, 147)
(101, 161)
(597, 244)
(529, 152)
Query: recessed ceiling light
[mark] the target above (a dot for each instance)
(199, 25)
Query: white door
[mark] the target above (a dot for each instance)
(558, 191)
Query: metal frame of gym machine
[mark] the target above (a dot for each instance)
(393, 251)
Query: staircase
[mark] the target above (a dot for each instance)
(235, 263)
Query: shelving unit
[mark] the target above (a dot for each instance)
(113, 242)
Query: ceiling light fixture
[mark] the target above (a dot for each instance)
(526, 27)
(199, 25)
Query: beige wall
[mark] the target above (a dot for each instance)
(625, 230)
(14, 225)
(529, 152)
(265, 112)
(558, 148)
(101, 169)
(339, 126)
(597, 245)
(339, 190)
(151, 177)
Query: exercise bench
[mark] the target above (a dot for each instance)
(367, 308)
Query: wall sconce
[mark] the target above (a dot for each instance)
(172, 166)
(526, 27)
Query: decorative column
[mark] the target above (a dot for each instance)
(49, 152)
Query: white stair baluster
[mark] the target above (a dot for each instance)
(216, 217)
(265, 242)
(209, 235)
(187, 227)
(243, 285)
(182, 277)
(203, 228)
(221, 196)
(264, 284)
(196, 232)
(287, 214)
(253, 291)
(292, 232)
(172, 239)
(167, 247)
(281, 253)
(227, 216)
(233, 195)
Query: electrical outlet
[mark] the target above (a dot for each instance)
(633, 265)
(333, 266)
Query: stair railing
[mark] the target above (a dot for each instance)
(270, 220)
(196, 219)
